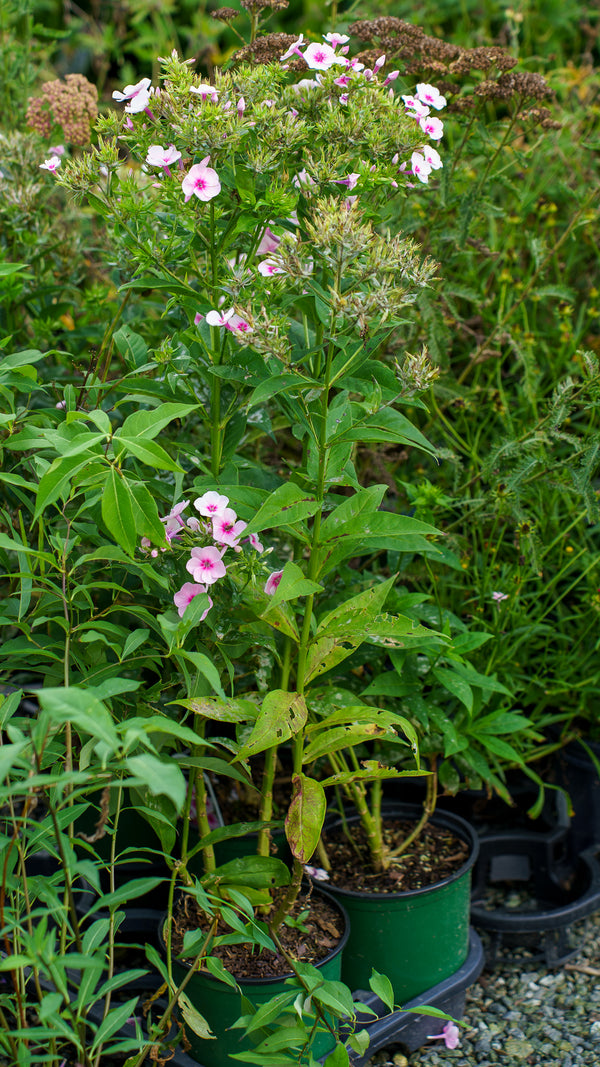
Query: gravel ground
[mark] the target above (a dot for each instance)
(525, 1014)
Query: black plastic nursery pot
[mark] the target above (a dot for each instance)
(221, 1005)
(528, 894)
(418, 938)
(577, 774)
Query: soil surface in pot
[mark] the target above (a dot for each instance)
(321, 927)
(436, 855)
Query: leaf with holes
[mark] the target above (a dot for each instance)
(305, 817)
(281, 716)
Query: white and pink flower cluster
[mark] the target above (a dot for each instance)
(220, 523)
(418, 106)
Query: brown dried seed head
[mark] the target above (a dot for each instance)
(71, 104)
(266, 49)
(253, 6)
(224, 14)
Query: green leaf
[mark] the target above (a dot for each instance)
(131, 346)
(222, 710)
(341, 737)
(113, 1022)
(281, 715)
(55, 480)
(117, 512)
(151, 453)
(284, 506)
(293, 584)
(269, 1012)
(148, 424)
(193, 1018)
(382, 988)
(358, 610)
(455, 685)
(145, 513)
(339, 1057)
(159, 777)
(258, 872)
(305, 817)
(83, 709)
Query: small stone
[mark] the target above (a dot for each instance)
(595, 1031)
(519, 1049)
(399, 1060)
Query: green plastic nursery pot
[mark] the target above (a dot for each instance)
(220, 1004)
(417, 937)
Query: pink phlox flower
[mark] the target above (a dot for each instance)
(499, 597)
(205, 565)
(428, 94)
(350, 181)
(173, 521)
(354, 64)
(272, 582)
(320, 57)
(379, 63)
(367, 74)
(211, 503)
(434, 128)
(270, 266)
(348, 202)
(317, 873)
(201, 181)
(230, 320)
(137, 96)
(269, 242)
(186, 594)
(412, 103)
(303, 180)
(51, 164)
(344, 98)
(238, 325)
(449, 1035)
(420, 167)
(334, 39)
(432, 156)
(216, 318)
(294, 49)
(157, 156)
(254, 541)
(391, 77)
(343, 81)
(241, 107)
(193, 524)
(206, 91)
(227, 528)
(57, 150)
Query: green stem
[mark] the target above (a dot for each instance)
(428, 810)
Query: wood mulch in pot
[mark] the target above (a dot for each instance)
(435, 855)
(315, 938)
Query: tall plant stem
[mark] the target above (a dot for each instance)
(266, 803)
(208, 852)
(166, 1015)
(428, 810)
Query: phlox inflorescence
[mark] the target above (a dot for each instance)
(220, 530)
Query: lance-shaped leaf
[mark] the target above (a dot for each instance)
(117, 511)
(258, 872)
(341, 737)
(281, 716)
(229, 710)
(286, 505)
(327, 652)
(305, 817)
(293, 584)
(354, 613)
(372, 771)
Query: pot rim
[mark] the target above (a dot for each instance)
(274, 979)
(448, 820)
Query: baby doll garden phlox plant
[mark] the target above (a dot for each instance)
(257, 205)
